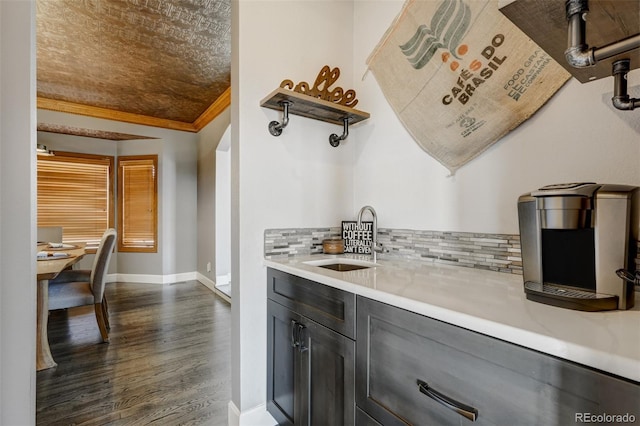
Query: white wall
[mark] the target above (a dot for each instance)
(179, 177)
(295, 180)
(577, 136)
(17, 206)
(223, 208)
(208, 139)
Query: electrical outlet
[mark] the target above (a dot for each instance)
(208, 266)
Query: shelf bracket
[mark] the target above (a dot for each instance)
(621, 99)
(334, 139)
(275, 128)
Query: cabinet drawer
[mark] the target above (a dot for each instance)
(397, 350)
(326, 305)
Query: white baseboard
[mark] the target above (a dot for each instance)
(223, 279)
(233, 414)
(257, 416)
(211, 285)
(152, 279)
(168, 279)
(206, 281)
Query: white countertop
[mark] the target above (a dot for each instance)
(492, 303)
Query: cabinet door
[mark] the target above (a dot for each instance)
(327, 376)
(416, 370)
(310, 371)
(281, 363)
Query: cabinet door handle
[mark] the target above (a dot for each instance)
(460, 408)
(301, 338)
(294, 335)
(297, 336)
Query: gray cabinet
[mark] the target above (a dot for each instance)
(411, 369)
(405, 368)
(310, 352)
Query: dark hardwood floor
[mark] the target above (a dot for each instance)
(168, 362)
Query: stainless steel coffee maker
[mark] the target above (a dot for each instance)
(579, 245)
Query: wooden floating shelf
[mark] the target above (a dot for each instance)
(310, 107)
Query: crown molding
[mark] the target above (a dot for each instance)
(205, 118)
(216, 108)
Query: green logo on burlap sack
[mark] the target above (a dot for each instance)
(448, 26)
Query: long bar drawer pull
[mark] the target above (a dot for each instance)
(460, 408)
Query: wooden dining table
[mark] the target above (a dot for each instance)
(49, 268)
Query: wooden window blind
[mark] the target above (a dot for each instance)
(75, 191)
(137, 203)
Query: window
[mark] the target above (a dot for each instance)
(75, 191)
(137, 203)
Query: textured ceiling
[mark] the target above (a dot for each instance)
(159, 60)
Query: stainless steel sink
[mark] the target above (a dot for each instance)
(343, 267)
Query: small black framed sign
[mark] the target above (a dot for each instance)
(357, 239)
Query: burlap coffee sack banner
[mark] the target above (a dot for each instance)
(460, 76)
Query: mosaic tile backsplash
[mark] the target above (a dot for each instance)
(296, 241)
(497, 252)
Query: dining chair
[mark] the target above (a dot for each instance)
(80, 287)
(49, 234)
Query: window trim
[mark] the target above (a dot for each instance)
(121, 246)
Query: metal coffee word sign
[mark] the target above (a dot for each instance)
(357, 239)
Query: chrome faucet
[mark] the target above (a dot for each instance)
(374, 242)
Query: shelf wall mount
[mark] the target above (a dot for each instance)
(319, 103)
(275, 128)
(334, 140)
